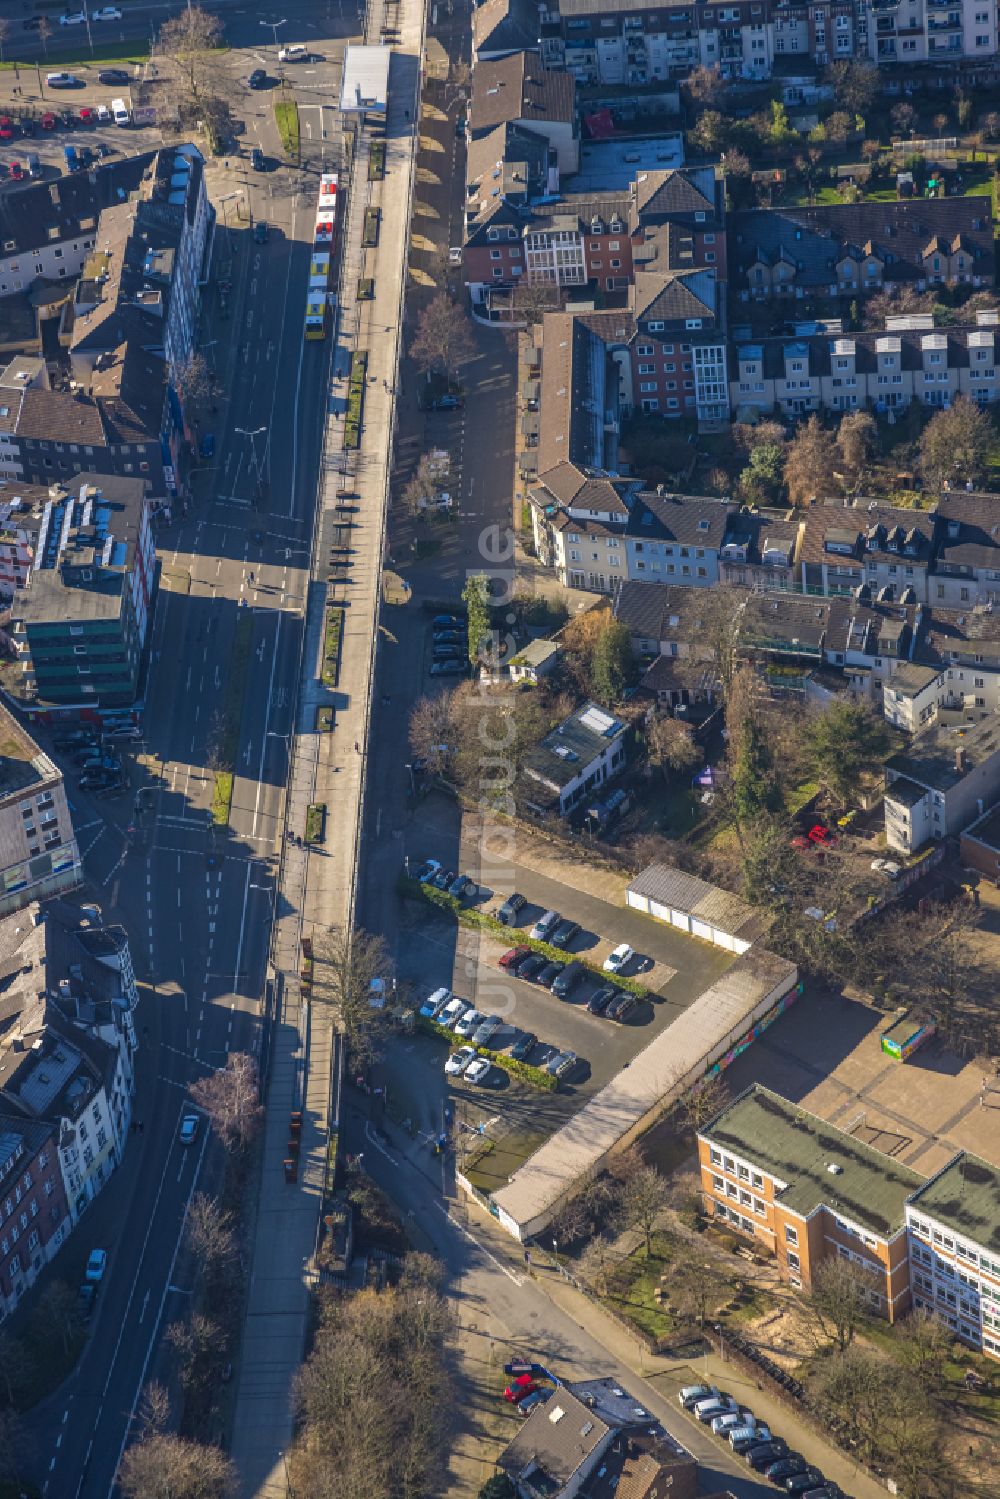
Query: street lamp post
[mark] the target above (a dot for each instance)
(273, 27)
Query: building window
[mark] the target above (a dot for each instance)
(791, 1235)
(793, 1261)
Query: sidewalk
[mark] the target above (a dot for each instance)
(317, 889)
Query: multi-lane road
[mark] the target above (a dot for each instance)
(197, 901)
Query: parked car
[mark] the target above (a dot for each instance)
(257, 79)
(98, 780)
(459, 885)
(621, 1008)
(742, 1438)
(114, 76)
(512, 956)
(442, 879)
(763, 1454)
(435, 1003)
(724, 1424)
(293, 53)
(479, 1070)
(73, 18)
(689, 1396)
(459, 1060)
(549, 973)
(448, 636)
(32, 23)
(484, 1033)
(707, 1410)
(207, 448)
(257, 159)
(448, 653)
(564, 984)
(563, 934)
(188, 1132)
(544, 925)
(59, 80)
(537, 1397)
(260, 232)
(469, 1022)
(803, 1483)
(562, 1064)
(96, 1265)
(785, 1467)
(600, 999)
(427, 870)
(86, 1298)
(106, 13)
(124, 731)
(531, 967)
(523, 1046)
(452, 1012)
(447, 403)
(514, 903)
(445, 621)
(888, 867)
(617, 960)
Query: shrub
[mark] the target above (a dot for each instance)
(536, 1076)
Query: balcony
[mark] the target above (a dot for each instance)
(950, 23)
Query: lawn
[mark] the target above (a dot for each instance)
(222, 797)
(632, 1283)
(331, 646)
(315, 820)
(286, 117)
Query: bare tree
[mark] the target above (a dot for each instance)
(695, 1286)
(163, 1466)
(44, 32)
(57, 1305)
(922, 1345)
(16, 1364)
(192, 380)
(957, 442)
(703, 1102)
(810, 461)
(705, 87)
(672, 745)
(211, 1230)
(231, 1099)
(857, 1385)
(856, 438)
(199, 1344)
(188, 42)
(903, 117)
(837, 1302)
(347, 965)
(642, 1194)
(433, 732)
(443, 339)
(425, 484)
(154, 1408)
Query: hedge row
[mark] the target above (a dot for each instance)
(536, 1076)
(471, 916)
(355, 399)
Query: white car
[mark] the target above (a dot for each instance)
(455, 255)
(888, 867)
(452, 1013)
(107, 13)
(459, 1060)
(470, 1021)
(477, 1071)
(616, 961)
(74, 18)
(295, 53)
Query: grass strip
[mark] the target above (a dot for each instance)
(324, 720)
(222, 797)
(286, 118)
(315, 820)
(369, 233)
(376, 161)
(536, 1076)
(471, 916)
(355, 399)
(331, 648)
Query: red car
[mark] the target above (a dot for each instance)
(86, 115)
(17, 171)
(519, 1388)
(514, 956)
(6, 128)
(820, 834)
(48, 121)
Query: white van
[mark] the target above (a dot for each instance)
(295, 53)
(121, 112)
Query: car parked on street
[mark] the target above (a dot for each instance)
(86, 1298)
(73, 18)
(459, 1060)
(515, 902)
(106, 13)
(618, 959)
(96, 1265)
(453, 668)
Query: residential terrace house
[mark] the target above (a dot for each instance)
(941, 783)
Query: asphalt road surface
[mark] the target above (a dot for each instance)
(198, 903)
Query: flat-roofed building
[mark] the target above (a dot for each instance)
(953, 1224)
(38, 850)
(808, 1192)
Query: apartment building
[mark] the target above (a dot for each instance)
(502, 27)
(953, 1228)
(808, 1192)
(941, 783)
(34, 1213)
(821, 368)
(888, 551)
(518, 90)
(67, 1040)
(855, 249)
(38, 851)
(78, 626)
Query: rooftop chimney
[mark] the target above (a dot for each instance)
(960, 760)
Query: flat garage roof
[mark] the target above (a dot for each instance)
(671, 1062)
(365, 83)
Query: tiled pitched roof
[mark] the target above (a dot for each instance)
(505, 25)
(519, 88)
(693, 520)
(673, 295)
(814, 239)
(507, 143)
(55, 416)
(903, 535)
(684, 190)
(661, 611)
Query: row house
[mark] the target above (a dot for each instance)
(886, 550)
(502, 27)
(518, 90)
(833, 371)
(679, 351)
(854, 249)
(34, 1213)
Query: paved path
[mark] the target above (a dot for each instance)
(317, 889)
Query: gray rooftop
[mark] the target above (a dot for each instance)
(932, 759)
(709, 903)
(799, 1149)
(553, 1443)
(567, 751)
(965, 1197)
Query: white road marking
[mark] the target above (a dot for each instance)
(518, 1280)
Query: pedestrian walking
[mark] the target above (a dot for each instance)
(357, 747)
